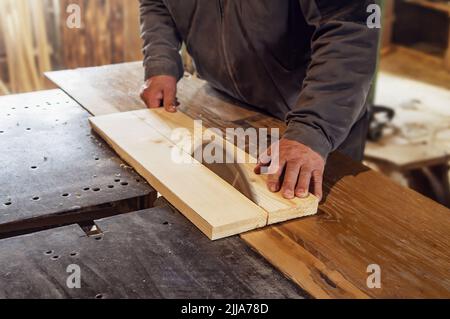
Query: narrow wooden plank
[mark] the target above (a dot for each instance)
(278, 208)
(213, 205)
(301, 266)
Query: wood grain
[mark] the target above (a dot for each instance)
(210, 203)
(109, 34)
(300, 265)
(115, 88)
(365, 218)
(278, 208)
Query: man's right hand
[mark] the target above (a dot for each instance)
(160, 91)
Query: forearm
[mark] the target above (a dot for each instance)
(339, 76)
(162, 42)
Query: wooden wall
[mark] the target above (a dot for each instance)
(109, 34)
(42, 41)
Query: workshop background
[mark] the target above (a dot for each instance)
(410, 129)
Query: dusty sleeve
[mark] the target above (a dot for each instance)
(339, 76)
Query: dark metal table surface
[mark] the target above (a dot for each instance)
(154, 253)
(54, 170)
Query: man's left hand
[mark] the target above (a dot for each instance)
(292, 169)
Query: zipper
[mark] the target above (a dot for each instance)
(224, 51)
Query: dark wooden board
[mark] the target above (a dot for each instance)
(155, 253)
(52, 166)
(365, 218)
(88, 87)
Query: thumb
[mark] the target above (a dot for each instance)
(152, 98)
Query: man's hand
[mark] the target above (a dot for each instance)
(292, 168)
(160, 91)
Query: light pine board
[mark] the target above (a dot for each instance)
(144, 139)
(209, 202)
(278, 208)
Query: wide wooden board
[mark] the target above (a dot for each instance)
(212, 204)
(278, 208)
(366, 219)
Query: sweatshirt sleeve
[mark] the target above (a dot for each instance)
(162, 42)
(339, 76)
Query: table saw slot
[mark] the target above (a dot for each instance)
(91, 229)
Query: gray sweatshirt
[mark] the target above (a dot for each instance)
(310, 62)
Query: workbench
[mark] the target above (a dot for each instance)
(145, 254)
(415, 146)
(365, 219)
(66, 198)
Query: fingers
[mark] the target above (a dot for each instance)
(169, 99)
(155, 99)
(293, 168)
(304, 179)
(290, 179)
(317, 178)
(160, 91)
(275, 171)
(298, 179)
(152, 96)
